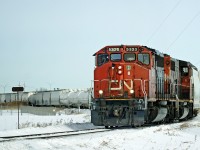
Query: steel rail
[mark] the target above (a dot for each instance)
(51, 135)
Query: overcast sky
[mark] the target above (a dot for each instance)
(50, 43)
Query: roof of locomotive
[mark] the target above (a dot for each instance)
(163, 54)
(151, 49)
(104, 48)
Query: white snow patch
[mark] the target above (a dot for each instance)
(184, 135)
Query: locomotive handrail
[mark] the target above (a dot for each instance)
(100, 81)
(145, 94)
(142, 83)
(172, 89)
(127, 84)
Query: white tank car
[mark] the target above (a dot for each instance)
(69, 97)
(45, 98)
(75, 98)
(83, 98)
(35, 99)
(63, 97)
(79, 98)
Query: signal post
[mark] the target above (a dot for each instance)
(18, 89)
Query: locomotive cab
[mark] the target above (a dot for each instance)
(118, 72)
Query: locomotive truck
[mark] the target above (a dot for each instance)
(135, 85)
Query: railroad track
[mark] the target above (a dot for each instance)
(51, 135)
(68, 133)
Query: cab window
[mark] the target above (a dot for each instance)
(184, 71)
(115, 57)
(129, 57)
(144, 58)
(102, 59)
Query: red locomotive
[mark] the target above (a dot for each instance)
(136, 85)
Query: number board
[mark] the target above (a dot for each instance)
(131, 49)
(113, 49)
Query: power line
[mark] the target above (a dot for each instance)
(197, 63)
(161, 24)
(187, 25)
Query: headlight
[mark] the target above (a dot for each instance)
(100, 92)
(131, 91)
(119, 72)
(119, 67)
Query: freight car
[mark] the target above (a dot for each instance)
(63, 97)
(76, 98)
(12, 97)
(136, 85)
(45, 98)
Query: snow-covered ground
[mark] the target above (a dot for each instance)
(184, 135)
(9, 119)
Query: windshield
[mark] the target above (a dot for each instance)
(129, 57)
(144, 58)
(184, 71)
(115, 57)
(102, 59)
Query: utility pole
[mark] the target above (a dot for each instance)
(4, 87)
(49, 85)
